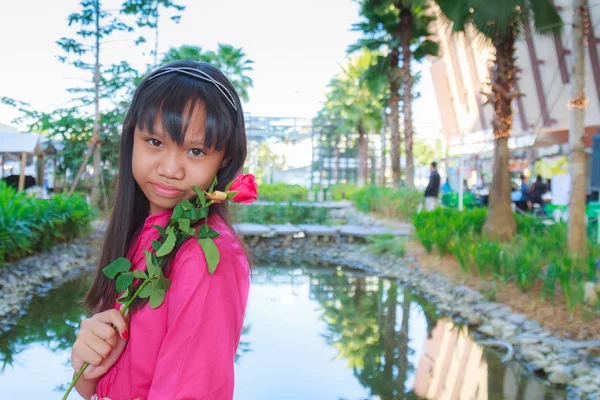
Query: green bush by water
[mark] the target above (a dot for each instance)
(538, 253)
(387, 244)
(399, 204)
(282, 192)
(29, 225)
(280, 214)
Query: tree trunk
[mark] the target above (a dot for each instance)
(403, 362)
(406, 27)
(389, 336)
(384, 123)
(363, 156)
(577, 162)
(96, 135)
(500, 223)
(394, 79)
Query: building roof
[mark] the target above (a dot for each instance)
(20, 143)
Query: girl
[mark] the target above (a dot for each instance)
(185, 126)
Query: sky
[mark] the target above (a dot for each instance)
(297, 47)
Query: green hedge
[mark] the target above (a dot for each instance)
(390, 203)
(342, 191)
(29, 225)
(282, 192)
(537, 255)
(280, 214)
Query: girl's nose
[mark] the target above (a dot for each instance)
(170, 166)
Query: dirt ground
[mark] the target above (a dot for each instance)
(552, 317)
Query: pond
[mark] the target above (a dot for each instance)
(311, 332)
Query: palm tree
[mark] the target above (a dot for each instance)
(357, 103)
(501, 23)
(397, 28)
(232, 61)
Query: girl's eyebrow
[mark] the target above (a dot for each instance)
(196, 142)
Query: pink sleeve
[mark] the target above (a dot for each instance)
(205, 318)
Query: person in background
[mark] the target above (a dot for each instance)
(433, 189)
(525, 189)
(537, 190)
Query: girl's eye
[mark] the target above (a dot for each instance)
(154, 142)
(196, 152)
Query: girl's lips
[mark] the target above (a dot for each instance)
(165, 191)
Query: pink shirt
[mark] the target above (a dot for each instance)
(185, 349)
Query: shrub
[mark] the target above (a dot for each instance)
(282, 192)
(390, 203)
(29, 225)
(281, 214)
(387, 244)
(342, 191)
(538, 253)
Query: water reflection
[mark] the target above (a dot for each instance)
(311, 332)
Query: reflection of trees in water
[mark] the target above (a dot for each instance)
(51, 319)
(362, 318)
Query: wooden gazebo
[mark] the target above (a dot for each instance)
(19, 147)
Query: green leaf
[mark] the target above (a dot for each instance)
(231, 195)
(146, 291)
(156, 245)
(184, 224)
(157, 297)
(196, 214)
(139, 274)
(211, 252)
(121, 264)
(205, 231)
(177, 213)
(186, 205)
(123, 281)
(151, 266)
(201, 195)
(167, 246)
(124, 298)
(161, 230)
(163, 283)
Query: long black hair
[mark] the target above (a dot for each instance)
(172, 97)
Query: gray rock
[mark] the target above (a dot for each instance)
(531, 325)
(586, 384)
(581, 368)
(517, 319)
(486, 307)
(531, 354)
(559, 374)
(487, 329)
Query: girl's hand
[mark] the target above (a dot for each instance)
(99, 344)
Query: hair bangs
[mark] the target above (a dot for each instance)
(174, 98)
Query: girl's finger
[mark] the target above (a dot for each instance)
(115, 318)
(87, 354)
(97, 344)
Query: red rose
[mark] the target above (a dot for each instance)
(246, 189)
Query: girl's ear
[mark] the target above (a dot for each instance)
(225, 162)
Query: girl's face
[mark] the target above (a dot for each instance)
(166, 171)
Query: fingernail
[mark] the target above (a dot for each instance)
(125, 335)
